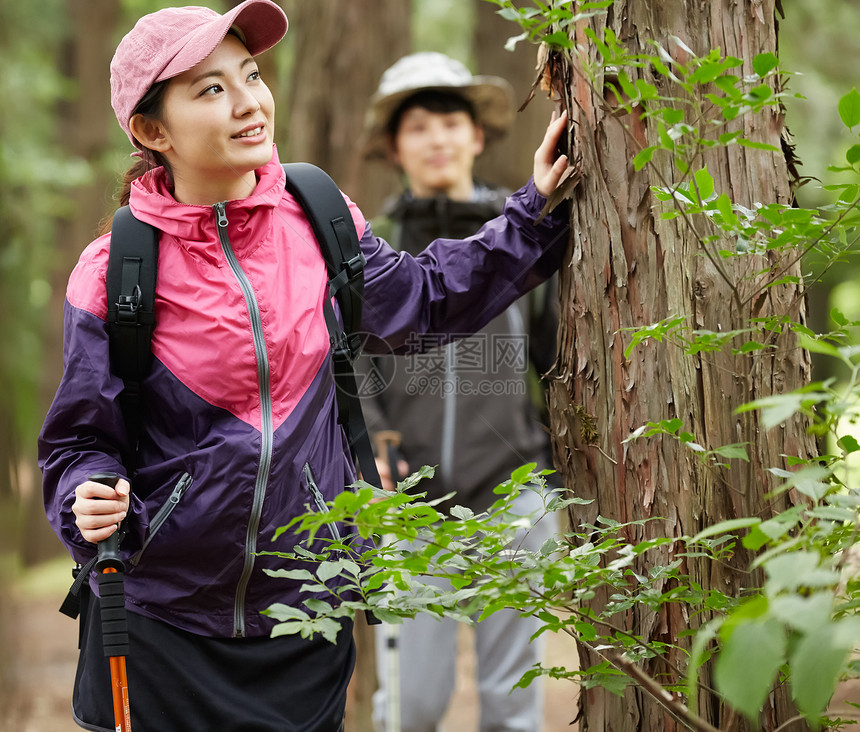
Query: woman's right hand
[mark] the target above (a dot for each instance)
(99, 508)
(548, 165)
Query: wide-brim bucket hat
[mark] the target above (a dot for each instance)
(169, 42)
(492, 97)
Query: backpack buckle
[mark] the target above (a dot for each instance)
(355, 266)
(345, 348)
(128, 305)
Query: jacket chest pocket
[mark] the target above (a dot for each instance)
(179, 490)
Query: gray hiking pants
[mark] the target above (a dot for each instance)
(428, 658)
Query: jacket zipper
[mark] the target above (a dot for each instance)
(449, 382)
(317, 495)
(266, 422)
(167, 508)
(449, 417)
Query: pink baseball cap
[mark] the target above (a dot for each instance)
(168, 42)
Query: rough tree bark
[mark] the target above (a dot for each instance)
(84, 125)
(627, 268)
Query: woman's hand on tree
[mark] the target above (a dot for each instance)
(548, 167)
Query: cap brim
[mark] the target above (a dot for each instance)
(261, 22)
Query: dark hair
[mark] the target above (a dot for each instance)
(433, 100)
(150, 105)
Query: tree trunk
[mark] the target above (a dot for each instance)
(629, 267)
(340, 50)
(84, 126)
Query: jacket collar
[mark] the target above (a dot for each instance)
(195, 225)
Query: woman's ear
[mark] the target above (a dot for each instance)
(149, 132)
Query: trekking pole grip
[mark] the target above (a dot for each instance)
(109, 566)
(109, 548)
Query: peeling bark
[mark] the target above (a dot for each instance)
(627, 268)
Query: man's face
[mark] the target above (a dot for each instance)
(437, 151)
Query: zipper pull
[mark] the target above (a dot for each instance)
(221, 213)
(180, 488)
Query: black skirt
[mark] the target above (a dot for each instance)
(183, 682)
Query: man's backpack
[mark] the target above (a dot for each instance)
(131, 276)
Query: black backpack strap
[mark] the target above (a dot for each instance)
(131, 274)
(333, 226)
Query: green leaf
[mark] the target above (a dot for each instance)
(747, 666)
(726, 527)
(282, 612)
(291, 574)
(698, 655)
(816, 663)
(849, 109)
(328, 570)
(749, 347)
(462, 512)
(733, 452)
(728, 85)
(511, 43)
(729, 137)
(328, 627)
(643, 157)
(521, 474)
(818, 346)
(756, 145)
(764, 63)
(806, 614)
(833, 513)
(853, 154)
(704, 183)
(810, 480)
(559, 39)
(848, 443)
(789, 572)
(777, 408)
(672, 116)
(756, 539)
(724, 206)
(317, 606)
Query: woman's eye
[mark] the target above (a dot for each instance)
(212, 89)
(254, 76)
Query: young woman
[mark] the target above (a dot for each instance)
(239, 428)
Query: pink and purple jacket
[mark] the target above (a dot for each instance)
(239, 432)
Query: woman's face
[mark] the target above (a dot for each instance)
(216, 126)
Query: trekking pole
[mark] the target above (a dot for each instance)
(111, 575)
(388, 442)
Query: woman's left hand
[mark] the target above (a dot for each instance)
(549, 168)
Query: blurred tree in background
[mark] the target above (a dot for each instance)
(817, 42)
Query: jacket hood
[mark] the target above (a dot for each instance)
(195, 225)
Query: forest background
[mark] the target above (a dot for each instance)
(61, 154)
